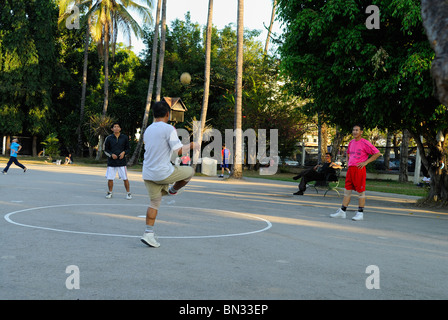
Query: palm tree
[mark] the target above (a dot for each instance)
(63, 15)
(208, 44)
(161, 53)
(237, 171)
(107, 17)
(99, 127)
(274, 6)
(152, 76)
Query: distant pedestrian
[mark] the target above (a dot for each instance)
(15, 149)
(225, 156)
(358, 152)
(185, 160)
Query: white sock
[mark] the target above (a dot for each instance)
(172, 190)
(149, 229)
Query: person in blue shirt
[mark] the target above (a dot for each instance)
(15, 148)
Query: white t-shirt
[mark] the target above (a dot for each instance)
(160, 141)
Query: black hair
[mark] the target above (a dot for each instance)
(361, 127)
(112, 125)
(160, 109)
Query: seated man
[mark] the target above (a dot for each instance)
(317, 173)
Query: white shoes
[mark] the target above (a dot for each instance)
(109, 195)
(149, 239)
(341, 214)
(358, 216)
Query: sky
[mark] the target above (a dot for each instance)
(256, 12)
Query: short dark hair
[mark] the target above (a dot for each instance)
(361, 127)
(160, 109)
(329, 153)
(112, 125)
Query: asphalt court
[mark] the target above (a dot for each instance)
(220, 239)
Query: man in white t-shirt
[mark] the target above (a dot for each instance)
(161, 141)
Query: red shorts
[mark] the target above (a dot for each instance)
(355, 179)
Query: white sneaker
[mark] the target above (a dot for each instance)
(109, 195)
(339, 214)
(358, 216)
(128, 196)
(150, 239)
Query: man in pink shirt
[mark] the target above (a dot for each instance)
(358, 152)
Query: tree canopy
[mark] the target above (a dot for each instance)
(353, 74)
(42, 74)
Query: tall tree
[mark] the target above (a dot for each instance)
(109, 14)
(237, 171)
(266, 46)
(161, 53)
(435, 21)
(152, 76)
(379, 77)
(208, 45)
(63, 15)
(28, 72)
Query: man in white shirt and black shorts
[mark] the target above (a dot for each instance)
(158, 172)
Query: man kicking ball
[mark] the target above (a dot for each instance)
(161, 141)
(358, 152)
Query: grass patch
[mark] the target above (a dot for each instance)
(388, 186)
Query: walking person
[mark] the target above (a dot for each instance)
(225, 156)
(15, 149)
(358, 152)
(116, 147)
(158, 172)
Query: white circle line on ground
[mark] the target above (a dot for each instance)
(8, 219)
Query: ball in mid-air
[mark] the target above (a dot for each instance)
(185, 78)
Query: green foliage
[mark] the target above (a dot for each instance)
(380, 77)
(266, 105)
(51, 145)
(41, 78)
(27, 55)
(352, 74)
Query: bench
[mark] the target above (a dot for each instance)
(331, 183)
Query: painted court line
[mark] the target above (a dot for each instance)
(8, 219)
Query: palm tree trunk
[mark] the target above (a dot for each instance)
(208, 44)
(84, 88)
(152, 76)
(106, 68)
(106, 84)
(274, 5)
(237, 171)
(161, 53)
